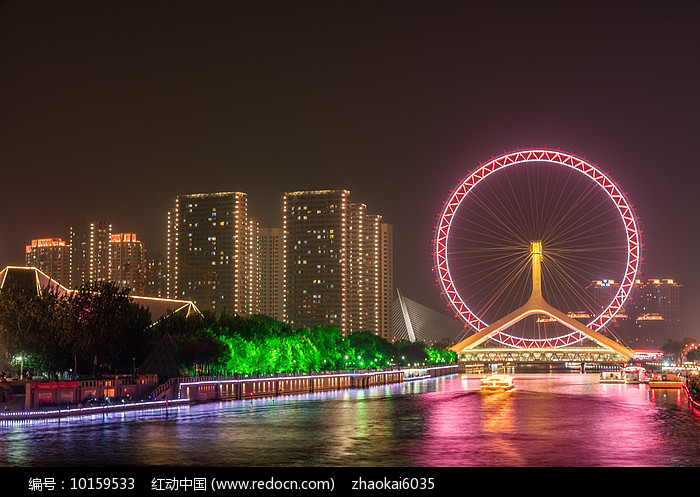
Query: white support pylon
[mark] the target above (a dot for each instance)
(406, 318)
(536, 304)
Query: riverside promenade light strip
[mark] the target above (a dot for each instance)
(160, 404)
(86, 411)
(307, 377)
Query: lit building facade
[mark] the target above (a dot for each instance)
(254, 262)
(208, 252)
(89, 253)
(650, 331)
(127, 261)
(602, 292)
(651, 316)
(315, 270)
(370, 273)
(357, 269)
(386, 281)
(334, 270)
(660, 301)
(155, 272)
(270, 273)
(51, 256)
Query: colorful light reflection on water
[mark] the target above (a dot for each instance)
(550, 420)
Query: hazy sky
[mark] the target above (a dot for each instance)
(110, 109)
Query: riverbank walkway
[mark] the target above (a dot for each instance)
(214, 389)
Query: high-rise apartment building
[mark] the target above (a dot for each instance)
(270, 273)
(51, 256)
(334, 273)
(357, 268)
(253, 278)
(386, 281)
(208, 252)
(89, 253)
(315, 268)
(370, 273)
(127, 262)
(651, 315)
(602, 293)
(154, 275)
(659, 298)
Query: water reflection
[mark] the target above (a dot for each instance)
(499, 429)
(550, 420)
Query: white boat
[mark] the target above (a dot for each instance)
(635, 374)
(666, 380)
(611, 377)
(497, 383)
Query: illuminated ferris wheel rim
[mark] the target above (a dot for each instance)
(523, 157)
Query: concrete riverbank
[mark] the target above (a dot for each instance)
(187, 390)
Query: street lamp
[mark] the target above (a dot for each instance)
(21, 367)
(687, 349)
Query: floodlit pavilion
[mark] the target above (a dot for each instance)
(34, 280)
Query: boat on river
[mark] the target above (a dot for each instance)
(497, 383)
(666, 380)
(612, 377)
(633, 375)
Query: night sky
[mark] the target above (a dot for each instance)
(110, 109)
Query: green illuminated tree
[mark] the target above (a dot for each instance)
(261, 345)
(370, 351)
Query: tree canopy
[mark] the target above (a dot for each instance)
(97, 329)
(260, 344)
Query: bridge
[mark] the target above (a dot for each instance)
(581, 344)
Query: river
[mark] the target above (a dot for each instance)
(565, 420)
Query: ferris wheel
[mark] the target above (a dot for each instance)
(581, 222)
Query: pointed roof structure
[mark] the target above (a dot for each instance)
(33, 280)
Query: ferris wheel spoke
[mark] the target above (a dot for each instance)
(573, 219)
(578, 304)
(603, 256)
(549, 226)
(564, 282)
(497, 197)
(507, 286)
(578, 263)
(590, 225)
(579, 210)
(503, 271)
(520, 209)
(486, 228)
(547, 215)
(514, 213)
(486, 253)
(492, 214)
(478, 277)
(482, 235)
(581, 276)
(587, 248)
